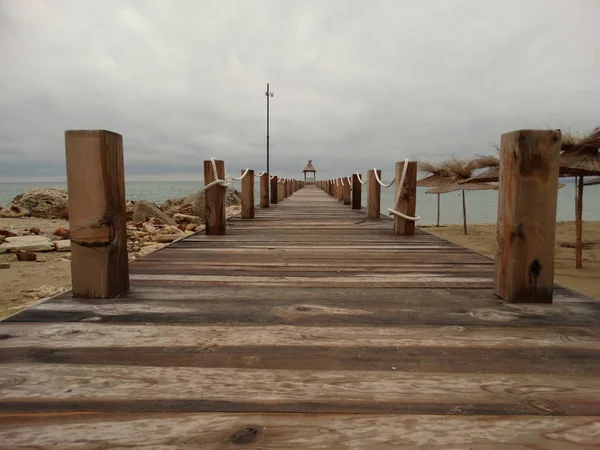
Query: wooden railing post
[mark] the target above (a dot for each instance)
(97, 217)
(529, 166)
(356, 192)
(347, 192)
(340, 190)
(274, 196)
(248, 195)
(407, 202)
(280, 190)
(214, 204)
(374, 195)
(264, 190)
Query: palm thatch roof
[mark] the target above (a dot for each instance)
(438, 174)
(592, 182)
(309, 167)
(460, 170)
(580, 153)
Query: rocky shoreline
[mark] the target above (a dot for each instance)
(35, 246)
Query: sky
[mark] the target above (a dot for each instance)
(358, 84)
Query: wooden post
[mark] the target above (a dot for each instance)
(274, 196)
(524, 268)
(248, 195)
(347, 192)
(374, 195)
(579, 222)
(97, 218)
(356, 192)
(264, 190)
(340, 190)
(280, 191)
(214, 204)
(407, 202)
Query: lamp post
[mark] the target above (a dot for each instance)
(269, 94)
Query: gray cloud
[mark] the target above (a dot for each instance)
(358, 84)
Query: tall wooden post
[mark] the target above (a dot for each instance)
(407, 202)
(264, 190)
(356, 192)
(280, 190)
(524, 268)
(274, 196)
(374, 195)
(214, 204)
(340, 191)
(97, 218)
(347, 192)
(248, 195)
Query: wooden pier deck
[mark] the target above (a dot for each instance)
(308, 327)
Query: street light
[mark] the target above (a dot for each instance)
(269, 94)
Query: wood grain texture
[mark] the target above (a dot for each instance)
(378, 340)
(274, 193)
(356, 192)
(264, 190)
(248, 195)
(96, 185)
(374, 195)
(407, 201)
(529, 161)
(216, 216)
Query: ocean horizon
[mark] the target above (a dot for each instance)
(481, 205)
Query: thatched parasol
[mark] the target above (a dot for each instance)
(491, 175)
(592, 182)
(580, 157)
(438, 175)
(460, 170)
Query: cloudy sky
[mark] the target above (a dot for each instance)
(357, 84)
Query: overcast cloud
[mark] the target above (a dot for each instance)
(357, 83)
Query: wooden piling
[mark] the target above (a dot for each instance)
(340, 190)
(97, 217)
(356, 192)
(216, 215)
(529, 165)
(347, 191)
(280, 190)
(407, 202)
(264, 190)
(374, 195)
(274, 196)
(248, 195)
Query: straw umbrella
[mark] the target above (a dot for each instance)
(460, 170)
(580, 157)
(592, 182)
(438, 175)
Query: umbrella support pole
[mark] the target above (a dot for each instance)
(579, 223)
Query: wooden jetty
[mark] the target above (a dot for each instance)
(309, 323)
(307, 327)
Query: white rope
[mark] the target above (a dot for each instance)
(240, 178)
(360, 179)
(223, 183)
(349, 180)
(380, 182)
(342, 181)
(398, 192)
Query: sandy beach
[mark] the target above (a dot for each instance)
(482, 239)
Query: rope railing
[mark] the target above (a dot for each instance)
(381, 182)
(399, 192)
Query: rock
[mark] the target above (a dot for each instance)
(156, 221)
(22, 255)
(171, 203)
(149, 228)
(144, 211)
(62, 232)
(63, 246)
(35, 231)
(45, 291)
(13, 210)
(2, 249)
(2, 239)
(129, 208)
(191, 227)
(7, 233)
(168, 237)
(170, 229)
(200, 228)
(28, 243)
(186, 219)
(150, 249)
(4, 265)
(49, 203)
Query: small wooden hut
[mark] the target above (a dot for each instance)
(310, 173)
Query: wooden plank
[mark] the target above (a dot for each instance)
(274, 194)
(216, 216)
(407, 201)
(248, 195)
(95, 179)
(529, 161)
(374, 195)
(60, 387)
(206, 431)
(356, 192)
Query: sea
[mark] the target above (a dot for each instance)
(481, 205)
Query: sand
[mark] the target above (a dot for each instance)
(482, 239)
